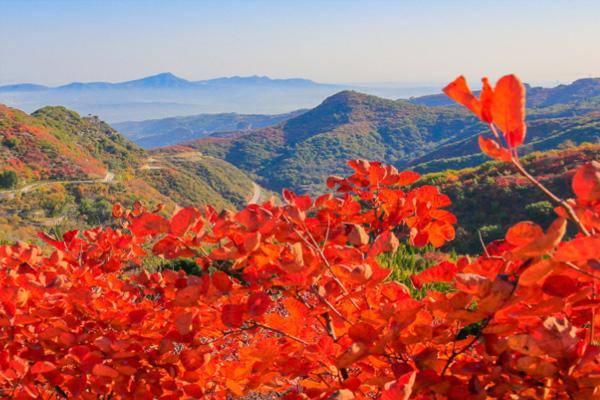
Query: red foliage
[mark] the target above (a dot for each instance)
(292, 299)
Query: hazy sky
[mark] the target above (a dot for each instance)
(420, 41)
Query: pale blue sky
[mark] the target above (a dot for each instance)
(420, 41)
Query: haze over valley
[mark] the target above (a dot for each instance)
(166, 95)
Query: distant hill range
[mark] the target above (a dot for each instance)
(168, 131)
(59, 171)
(166, 95)
(300, 152)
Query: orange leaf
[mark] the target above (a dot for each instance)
(491, 148)
(508, 109)
(354, 353)
(386, 242)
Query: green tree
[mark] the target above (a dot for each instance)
(8, 179)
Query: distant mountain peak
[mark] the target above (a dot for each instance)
(163, 79)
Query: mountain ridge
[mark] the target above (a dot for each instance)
(300, 152)
(163, 80)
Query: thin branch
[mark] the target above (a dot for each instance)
(330, 306)
(485, 250)
(331, 332)
(282, 333)
(455, 353)
(581, 271)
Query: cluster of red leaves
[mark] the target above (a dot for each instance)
(292, 300)
(502, 106)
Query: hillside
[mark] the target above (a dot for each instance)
(169, 131)
(59, 170)
(482, 195)
(301, 152)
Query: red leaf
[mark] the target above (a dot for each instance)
(232, 315)
(137, 316)
(258, 303)
(117, 210)
(586, 182)
(407, 177)
(523, 232)
(400, 389)
(188, 296)
(149, 224)
(222, 281)
(508, 109)
(181, 221)
(560, 285)
(193, 390)
(443, 272)
(41, 367)
(183, 323)
(362, 332)
(105, 371)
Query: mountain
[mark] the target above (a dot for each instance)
(166, 95)
(579, 97)
(168, 131)
(480, 196)
(59, 170)
(300, 152)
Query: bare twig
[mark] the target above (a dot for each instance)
(555, 199)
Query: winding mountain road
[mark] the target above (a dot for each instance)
(10, 194)
(256, 194)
